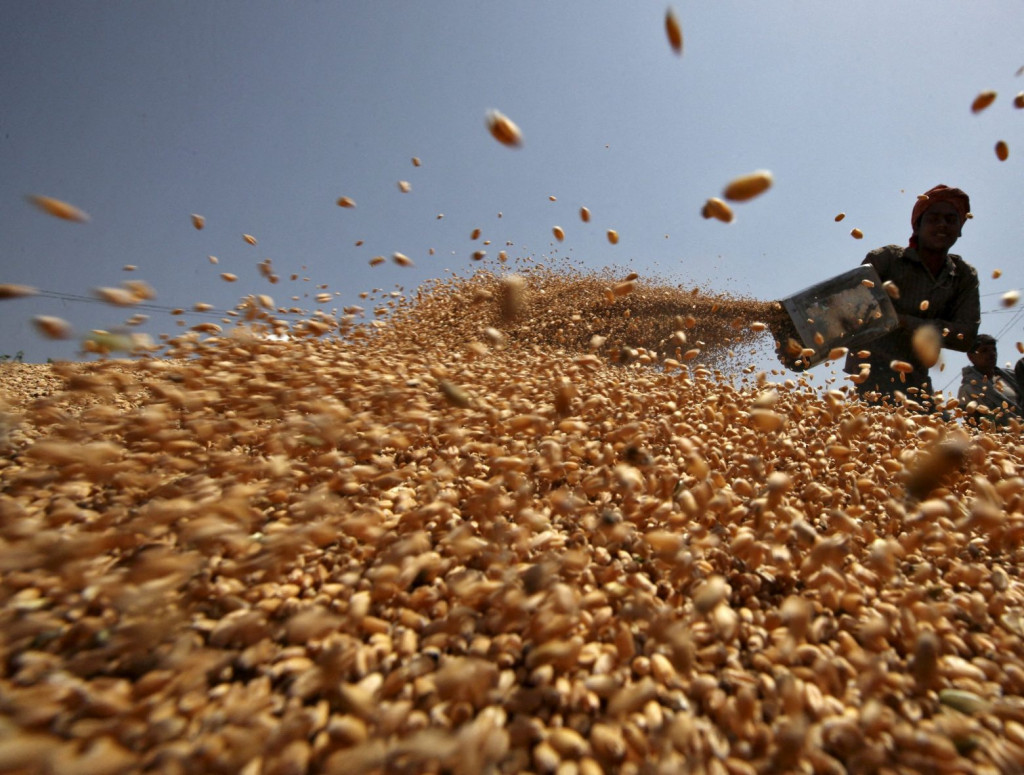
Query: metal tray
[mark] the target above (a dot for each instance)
(848, 311)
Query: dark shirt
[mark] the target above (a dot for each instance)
(953, 307)
(1018, 372)
(997, 398)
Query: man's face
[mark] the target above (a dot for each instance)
(939, 227)
(984, 357)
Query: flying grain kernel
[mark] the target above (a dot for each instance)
(997, 273)
(840, 217)
(1002, 151)
(1018, 101)
(758, 326)
(836, 353)
(401, 259)
(1010, 298)
(119, 297)
(867, 283)
(513, 297)
(857, 234)
(674, 31)
(249, 238)
(212, 259)
(416, 161)
(552, 198)
(346, 201)
(585, 214)
(228, 277)
(504, 129)
(613, 236)
(198, 221)
(901, 366)
(982, 101)
(718, 209)
(404, 186)
(58, 209)
(479, 255)
(559, 233)
(624, 288)
(14, 291)
(1020, 347)
(927, 344)
(923, 305)
(52, 327)
(892, 289)
(748, 186)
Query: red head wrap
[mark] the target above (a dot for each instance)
(940, 193)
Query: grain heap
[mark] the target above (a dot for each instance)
(460, 540)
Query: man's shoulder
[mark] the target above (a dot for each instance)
(889, 251)
(963, 266)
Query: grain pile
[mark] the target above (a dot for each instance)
(465, 538)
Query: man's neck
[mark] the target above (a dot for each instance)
(934, 260)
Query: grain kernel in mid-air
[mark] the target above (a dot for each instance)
(613, 236)
(377, 260)
(401, 259)
(997, 273)
(840, 216)
(857, 234)
(674, 31)
(198, 221)
(59, 209)
(15, 291)
(748, 186)
(982, 101)
(923, 306)
(718, 209)
(52, 327)
(249, 238)
(346, 201)
(228, 277)
(504, 129)
(416, 161)
(558, 232)
(1010, 298)
(927, 345)
(404, 186)
(1002, 151)
(585, 214)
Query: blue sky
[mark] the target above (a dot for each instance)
(259, 115)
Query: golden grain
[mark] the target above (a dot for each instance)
(748, 186)
(982, 101)
(15, 291)
(674, 31)
(718, 209)
(503, 129)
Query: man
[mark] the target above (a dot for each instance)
(1018, 372)
(987, 390)
(929, 286)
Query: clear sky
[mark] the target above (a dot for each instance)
(260, 115)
